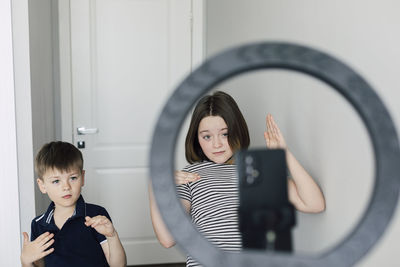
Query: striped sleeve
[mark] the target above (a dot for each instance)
(183, 192)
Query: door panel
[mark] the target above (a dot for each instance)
(126, 57)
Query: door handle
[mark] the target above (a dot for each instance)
(84, 130)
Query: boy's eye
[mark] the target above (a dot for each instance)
(73, 178)
(55, 181)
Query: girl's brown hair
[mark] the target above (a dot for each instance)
(218, 104)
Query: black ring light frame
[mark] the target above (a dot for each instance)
(290, 57)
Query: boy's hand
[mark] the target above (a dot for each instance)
(35, 250)
(101, 224)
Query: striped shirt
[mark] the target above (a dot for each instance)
(214, 202)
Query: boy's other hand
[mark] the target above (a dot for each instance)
(101, 224)
(37, 249)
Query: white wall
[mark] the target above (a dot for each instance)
(320, 127)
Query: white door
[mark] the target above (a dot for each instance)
(126, 57)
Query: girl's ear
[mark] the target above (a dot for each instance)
(40, 183)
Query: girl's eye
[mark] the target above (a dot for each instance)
(206, 137)
(55, 181)
(225, 134)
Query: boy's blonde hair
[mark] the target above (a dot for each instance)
(58, 155)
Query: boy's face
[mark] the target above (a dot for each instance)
(63, 188)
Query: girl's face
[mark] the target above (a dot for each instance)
(213, 139)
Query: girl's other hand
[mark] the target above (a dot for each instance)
(182, 177)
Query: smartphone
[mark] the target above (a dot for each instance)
(262, 178)
(264, 207)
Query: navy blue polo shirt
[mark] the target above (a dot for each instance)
(75, 244)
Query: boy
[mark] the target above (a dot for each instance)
(71, 232)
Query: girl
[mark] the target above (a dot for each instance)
(208, 187)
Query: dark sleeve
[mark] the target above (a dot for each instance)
(34, 230)
(102, 211)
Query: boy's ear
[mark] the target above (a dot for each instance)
(40, 183)
(83, 177)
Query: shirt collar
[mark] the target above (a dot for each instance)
(80, 211)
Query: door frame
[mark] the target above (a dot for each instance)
(198, 54)
(16, 190)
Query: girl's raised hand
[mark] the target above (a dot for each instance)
(273, 136)
(185, 177)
